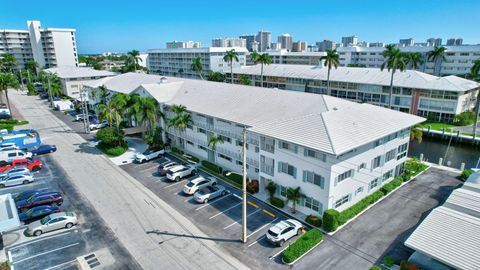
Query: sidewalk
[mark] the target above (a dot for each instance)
(126, 206)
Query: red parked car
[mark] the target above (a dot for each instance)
(33, 165)
(47, 198)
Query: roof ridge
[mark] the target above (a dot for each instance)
(328, 134)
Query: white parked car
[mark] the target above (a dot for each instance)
(209, 193)
(14, 171)
(284, 230)
(9, 156)
(8, 146)
(16, 179)
(178, 172)
(79, 117)
(198, 183)
(94, 126)
(149, 154)
(62, 220)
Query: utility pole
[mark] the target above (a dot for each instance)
(49, 91)
(244, 187)
(87, 129)
(83, 111)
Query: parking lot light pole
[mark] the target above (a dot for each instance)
(244, 187)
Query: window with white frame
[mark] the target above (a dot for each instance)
(201, 130)
(344, 176)
(313, 204)
(390, 155)
(387, 175)
(287, 146)
(402, 151)
(342, 200)
(284, 167)
(225, 157)
(376, 162)
(226, 139)
(314, 154)
(374, 183)
(359, 190)
(362, 166)
(282, 191)
(314, 178)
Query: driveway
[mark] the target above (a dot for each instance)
(383, 229)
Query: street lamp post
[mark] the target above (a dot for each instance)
(244, 187)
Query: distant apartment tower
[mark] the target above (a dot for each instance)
(49, 47)
(183, 44)
(455, 42)
(299, 46)
(434, 42)
(376, 44)
(249, 41)
(325, 45)
(264, 39)
(349, 41)
(275, 46)
(406, 42)
(177, 62)
(285, 42)
(229, 42)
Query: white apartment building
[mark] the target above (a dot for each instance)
(183, 44)
(49, 47)
(292, 58)
(459, 59)
(349, 41)
(299, 46)
(229, 42)
(285, 41)
(264, 39)
(438, 98)
(335, 150)
(177, 62)
(73, 78)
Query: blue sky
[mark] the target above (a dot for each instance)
(105, 25)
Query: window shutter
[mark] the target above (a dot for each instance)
(322, 182)
(279, 166)
(304, 176)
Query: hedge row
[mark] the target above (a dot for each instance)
(465, 174)
(234, 177)
(389, 187)
(13, 122)
(302, 245)
(314, 220)
(275, 201)
(211, 166)
(355, 209)
(8, 127)
(113, 151)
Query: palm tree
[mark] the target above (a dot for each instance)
(230, 56)
(214, 140)
(133, 59)
(437, 55)
(271, 188)
(263, 59)
(110, 113)
(413, 59)
(475, 71)
(103, 94)
(394, 60)
(54, 86)
(245, 80)
(331, 59)
(31, 66)
(416, 133)
(8, 80)
(180, 120)
(294, 195)
(7, 62)
(146, 112)
(197, 66)
(254, 56)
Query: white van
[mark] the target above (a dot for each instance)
(8, 156)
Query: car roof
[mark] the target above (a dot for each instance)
(280, 226)
(62, 214)
(198, 179)
(177, 168)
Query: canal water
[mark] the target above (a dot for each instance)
(433, 149)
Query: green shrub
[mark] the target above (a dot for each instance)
(194, 159)
(465, 174)
(388, 261)
(13, 122)
(177, 151)
(110, 136)
(211, 166)
(314, 220)
(464, 119)
(355, 209)
(375, 268)
(275, 201)
(330, 220)
(387, 188)
(413, 167)
(31, 89)
(113, 151)
(8, 127)
(237, 178)
(302, 245)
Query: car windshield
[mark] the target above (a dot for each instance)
(45, 220)
(274, 234)
(289, 223)
(190, 184)
(29, 212)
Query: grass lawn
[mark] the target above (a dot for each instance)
(112, 151)
(439, 126)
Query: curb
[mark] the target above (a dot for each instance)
(304, 254)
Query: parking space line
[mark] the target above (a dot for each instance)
(173, 184)
(256, 241)
(46, 252)
(189, 198)
(40, 239)
(268, 213)
(225, 210)
(238, 221)
(259, 229)
(252, 204)
(214, 201)
(278, 253)
(238, 197)
(60, 265)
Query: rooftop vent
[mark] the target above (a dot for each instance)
(335, 109)
(163, 80)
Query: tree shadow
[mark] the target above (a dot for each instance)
(87, 148)
(158, 232)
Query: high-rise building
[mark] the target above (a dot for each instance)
(285, 42)
(434, 42)
(264, 39)
(326, 45)
(349, 41)
(183, 44)
(406, 42)
(275, 46)
(49, 47)
(454, 41)
(299, 46)
(249, 41)
(229, 42)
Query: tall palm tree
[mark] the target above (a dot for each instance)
(475, 72)
(213, 141)
(180, 120)
(133, 59)
(8, 80)
(54, 86)
(394, 60)
(147, 112)
(437, 55)
(413, 59)
(7, 62)
(416, 133)
(294, 195)
(331, 59)
(254, 56)
(110, 113)
(263, 59)
(230, 56)
(32, 66)
(197, 66)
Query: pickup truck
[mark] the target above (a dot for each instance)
(33, 165)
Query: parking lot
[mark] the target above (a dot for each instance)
(220, 219)
(59, 249)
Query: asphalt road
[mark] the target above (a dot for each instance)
(127, 207)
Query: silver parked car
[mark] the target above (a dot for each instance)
(52, 222)
(178, 172)
(16, 179)
(284, 230)
(15, 170)
(198, 183)
(209, 193)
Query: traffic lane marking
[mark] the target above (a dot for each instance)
(214, 201)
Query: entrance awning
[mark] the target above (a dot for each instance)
(134, 130)
(8, 213)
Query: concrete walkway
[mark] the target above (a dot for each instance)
(126, 206)
(134, 145)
